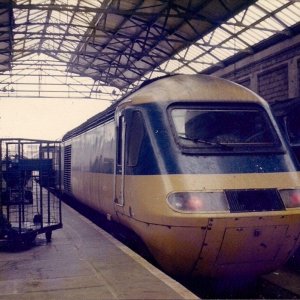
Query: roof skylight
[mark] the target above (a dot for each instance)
(80, 41)
(251, 26)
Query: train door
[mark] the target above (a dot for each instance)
(130, 132)
(120, 163)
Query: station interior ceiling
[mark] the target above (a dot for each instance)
(102, 49)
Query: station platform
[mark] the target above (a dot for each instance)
(82, 262)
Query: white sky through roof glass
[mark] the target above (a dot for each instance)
(251, 26)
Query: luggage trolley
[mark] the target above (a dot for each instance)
(30, 186)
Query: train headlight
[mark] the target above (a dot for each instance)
(290, 198)
(204, 202)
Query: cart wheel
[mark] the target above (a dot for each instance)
(48, 236)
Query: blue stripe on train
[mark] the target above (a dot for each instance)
(159, 154)
(211, 165)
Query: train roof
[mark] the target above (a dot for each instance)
(174, 88)
(193, 88)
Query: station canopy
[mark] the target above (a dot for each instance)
(102, 49)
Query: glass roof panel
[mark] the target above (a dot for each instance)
(271, 6)
(216, 37)
(235, 43)
(172, 65)
(157, 74)
(207, 58)
(199, 65)
(290, 15)
(190, 53)
(35, 2)
(222, 54)
(89, 3)
(271, 24)
(187, 70)
(254, 13)
(59, 33)
(254, 36)
(250, 26)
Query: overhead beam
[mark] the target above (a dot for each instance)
(107, 11)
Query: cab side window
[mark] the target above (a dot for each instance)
(136, 132)
(120, 143)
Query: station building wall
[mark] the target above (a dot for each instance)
(273, 73)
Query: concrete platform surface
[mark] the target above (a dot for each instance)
(82, 262)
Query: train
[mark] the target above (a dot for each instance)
(197, 167)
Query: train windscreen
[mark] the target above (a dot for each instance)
(214, 127)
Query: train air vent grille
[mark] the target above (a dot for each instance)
(67, 168)
(254, 200)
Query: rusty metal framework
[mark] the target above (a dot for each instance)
(6, 36)
(100, 49)
(30, 183)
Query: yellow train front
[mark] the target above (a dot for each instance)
(196, 166)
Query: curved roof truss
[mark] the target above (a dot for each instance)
(99, 49)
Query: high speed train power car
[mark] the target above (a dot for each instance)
(196, 166)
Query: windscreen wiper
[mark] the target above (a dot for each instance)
(196, 141)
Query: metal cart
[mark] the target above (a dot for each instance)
(30, 181)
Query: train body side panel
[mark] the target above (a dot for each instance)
(92, 167)
(147, 195)
(94, 190)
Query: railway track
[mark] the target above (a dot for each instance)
(262, 288)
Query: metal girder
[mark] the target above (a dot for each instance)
(156, 31)
(6, 37)
(119, 43)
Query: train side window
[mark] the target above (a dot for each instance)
(136, 132)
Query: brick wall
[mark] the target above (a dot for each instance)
(273, 73)
(273, 84)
